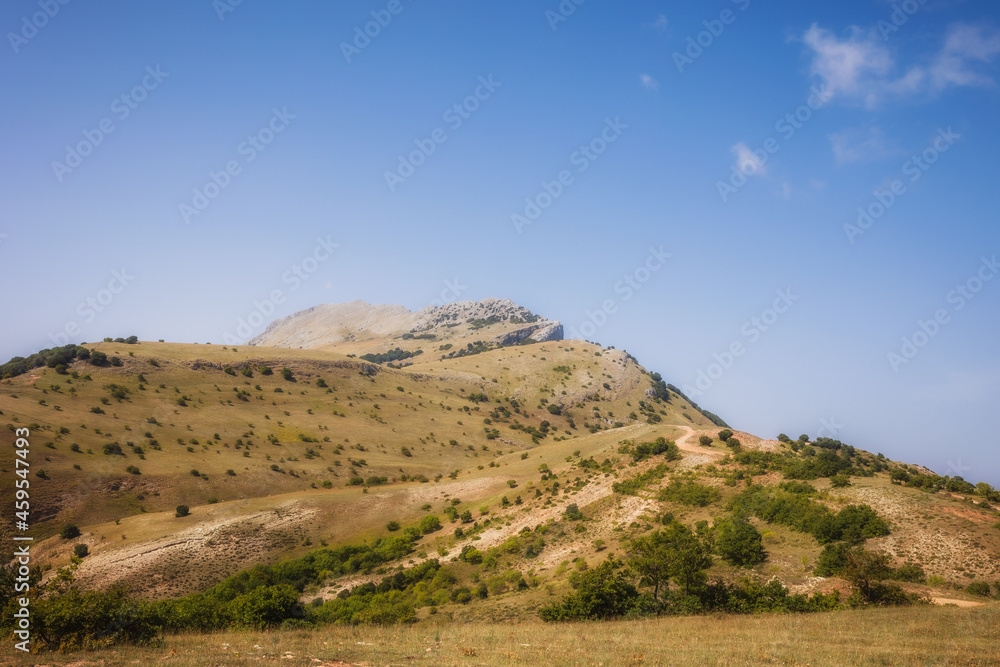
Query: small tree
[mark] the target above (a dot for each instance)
(287, 374)
(725, 434)
(705, 441)
(840, 481)
(867, 572)
(429, 524)
(601, 593)
(978, 588)
(674, 553)
(392, 526)
(81, 551)
(739, 543)
(69, 531)
(182, 510)
(573, 512)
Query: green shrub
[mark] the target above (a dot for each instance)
(182, 510)
(429, 524)
(601, 593)
(839, 481)
(739, 543)
(910, 572)
(978, 588)
(69, 531)
(690, 493)
(92, 620)
(81, 551)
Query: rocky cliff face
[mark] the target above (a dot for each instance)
(491, 320)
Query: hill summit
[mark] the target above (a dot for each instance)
(498, 322)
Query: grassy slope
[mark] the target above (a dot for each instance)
(263, 515)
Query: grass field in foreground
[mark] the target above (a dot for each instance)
(921, 636)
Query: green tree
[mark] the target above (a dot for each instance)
(705, 441)
(182, 510)
(265, 606)
(672, 554)
(429, 524)
(867, 572)
(739, 543)
(725, 434)
(839, 481)
(601, 593)
(287, 374)
(69, 531)
(81, 551)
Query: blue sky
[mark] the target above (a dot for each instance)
(789, 208)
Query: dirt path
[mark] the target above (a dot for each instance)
(697, 453)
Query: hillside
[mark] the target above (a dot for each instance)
(279, 450)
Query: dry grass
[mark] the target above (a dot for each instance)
(925, 636)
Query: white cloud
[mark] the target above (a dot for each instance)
(747, 162)
(964, 43)
(861, 68)
(786, 191)
(659, 24)
(648, 82)
(856, 145)
(847, 67)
